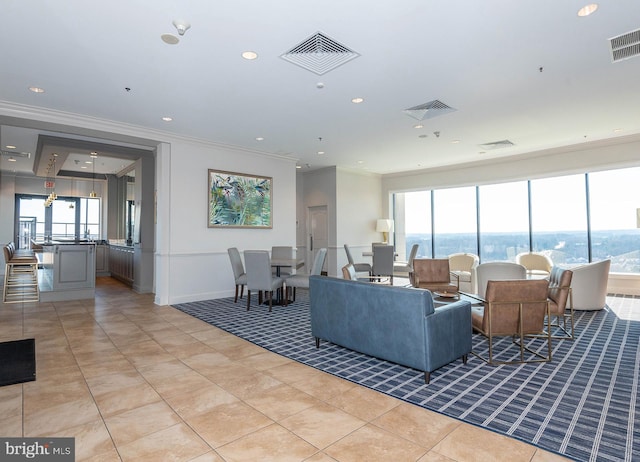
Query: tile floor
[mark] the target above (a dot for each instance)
(133, 381)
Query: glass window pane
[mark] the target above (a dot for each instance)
(559, 219)
(63, 219)
(455, 227)
(412, 216)
(504, 221)
(615, 199)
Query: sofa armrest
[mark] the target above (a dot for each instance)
(449, 333)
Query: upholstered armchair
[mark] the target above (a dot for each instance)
(433, 274)
(589, 285)
(498, 270)
(561, 301)
(518, 309)
(537, 265)
(463, 266)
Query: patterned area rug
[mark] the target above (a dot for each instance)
(581, 405)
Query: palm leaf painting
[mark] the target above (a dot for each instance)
(239, 200)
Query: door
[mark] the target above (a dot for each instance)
(318, 228)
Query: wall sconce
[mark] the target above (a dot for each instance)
(384, 226)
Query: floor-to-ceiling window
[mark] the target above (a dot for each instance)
(615, 222)
(559, 219)
(574, 219)
(504, 220)
(417, 222)
(454, 221)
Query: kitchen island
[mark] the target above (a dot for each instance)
(68, 270)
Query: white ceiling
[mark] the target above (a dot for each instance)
(533, 73)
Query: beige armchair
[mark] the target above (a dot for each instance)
(538, 265)
(463, 266)
(589, 285)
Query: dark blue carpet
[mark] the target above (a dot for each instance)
(581, 405)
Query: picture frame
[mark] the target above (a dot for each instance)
(239, 200)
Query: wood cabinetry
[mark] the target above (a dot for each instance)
(121, 263)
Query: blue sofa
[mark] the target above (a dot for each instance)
(396, 324)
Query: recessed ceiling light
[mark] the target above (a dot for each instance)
(587, 10)
(167, 119)
(88, 162)
(169, 39)
(259, 138)
(320, 152)
(361, 161)
(11, 159)
(422, 136)
(357, 100)
(455, 141)
(10, 146)
(36, 89)
(615, 130)
(249, 55)
(84, 166)
(418, 126)
(298, 166)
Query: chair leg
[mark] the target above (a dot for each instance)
(248, 299)
(235, 300)
(241, 291)
(270, 299)
(294, 294)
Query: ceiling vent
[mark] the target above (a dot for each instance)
(497, 145)
(625, 46)
(428, 110)
(25, 155)
(319, 54)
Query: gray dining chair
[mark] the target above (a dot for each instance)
(383, 262)
(259, 276)
(405, 268)
(359, 267)
(284, 252)
(239, 275)
(302, 280)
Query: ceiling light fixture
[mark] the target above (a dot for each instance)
(167, 119)
(10, 146)
(181, 26)
(94, 156)
(587, 10)
(320, 153)
(418, 126)
(36, 89)
(11, 159)
(259, 138)
(249, 55)
(357, 100)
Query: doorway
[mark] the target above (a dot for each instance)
(318, 227)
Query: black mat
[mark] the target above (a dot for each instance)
(17, 361)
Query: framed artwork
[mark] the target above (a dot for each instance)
(238, 200)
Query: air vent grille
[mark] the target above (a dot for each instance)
(625, 46)
(319, 54)
(429, 110)
(25, 155)
(497, 145)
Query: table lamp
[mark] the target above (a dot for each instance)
(384, 226)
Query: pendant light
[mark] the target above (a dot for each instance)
(94, 156)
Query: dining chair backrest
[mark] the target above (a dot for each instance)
(349, 256)
(496, 271)
(258, 268)
(318, 262)
(383, 260)
(281, 251)
(236, 262)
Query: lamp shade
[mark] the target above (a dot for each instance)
(384, 225)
